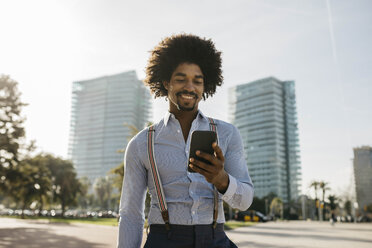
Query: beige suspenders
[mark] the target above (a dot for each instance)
(213, 127)
(156, 178)
(157, 182)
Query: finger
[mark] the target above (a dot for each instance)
(204, 166)
(198, 170)
(218, 151)
(202, 172)
(206, 156)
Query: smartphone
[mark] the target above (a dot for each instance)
(202, 141)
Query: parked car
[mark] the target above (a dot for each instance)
(251, 215)
(364, 218)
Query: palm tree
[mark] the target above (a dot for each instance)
(324, 187)
(315, 184)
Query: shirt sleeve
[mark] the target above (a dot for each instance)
(132, 199)
(239, 193)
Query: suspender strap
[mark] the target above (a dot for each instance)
(213, 127)
(156, 178)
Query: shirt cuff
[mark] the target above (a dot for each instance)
(231, 189)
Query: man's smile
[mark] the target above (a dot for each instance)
(187, 95)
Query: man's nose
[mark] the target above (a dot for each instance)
(189, 85)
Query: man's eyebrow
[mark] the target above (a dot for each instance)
(184, 75)
(180, 74)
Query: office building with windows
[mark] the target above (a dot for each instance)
(103, 111)
(363, 175)
(264, 111)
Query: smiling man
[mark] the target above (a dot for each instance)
(186, 208)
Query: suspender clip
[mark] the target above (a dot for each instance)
(165, 216)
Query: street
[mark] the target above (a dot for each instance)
(37, 234)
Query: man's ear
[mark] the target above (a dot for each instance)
(165, 84)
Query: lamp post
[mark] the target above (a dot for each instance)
(355, 206)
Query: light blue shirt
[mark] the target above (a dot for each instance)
(188, 195)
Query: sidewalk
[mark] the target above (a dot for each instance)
(301, 234)
(39, 234)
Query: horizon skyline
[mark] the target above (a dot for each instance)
(322, 45)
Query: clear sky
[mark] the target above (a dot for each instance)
(324, 46)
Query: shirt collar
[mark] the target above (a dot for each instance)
(166, 117)
(169, 115)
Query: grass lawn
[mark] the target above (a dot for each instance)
(96, 221)
(232, 224)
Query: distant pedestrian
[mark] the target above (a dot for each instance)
(333, 218)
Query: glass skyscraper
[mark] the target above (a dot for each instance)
(363, 175)
(264, 111)
(102, 109)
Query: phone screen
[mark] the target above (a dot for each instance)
(202, 141)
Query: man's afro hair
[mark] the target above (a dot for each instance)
(183, 48)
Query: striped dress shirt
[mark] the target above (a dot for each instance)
(188, 195)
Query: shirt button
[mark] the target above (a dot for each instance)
(178, 131)
(193, 212)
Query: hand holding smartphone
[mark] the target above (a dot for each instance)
(202, 141)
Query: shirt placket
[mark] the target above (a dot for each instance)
(193, 179)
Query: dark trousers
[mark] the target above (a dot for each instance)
(183, 236)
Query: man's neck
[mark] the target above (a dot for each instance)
(185, 119)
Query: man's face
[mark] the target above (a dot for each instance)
(185, 88)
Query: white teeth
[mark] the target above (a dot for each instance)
(187, 96)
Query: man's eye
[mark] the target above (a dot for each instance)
(198, 82)
(180, 80)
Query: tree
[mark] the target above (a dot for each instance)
(118, 171)
(65, 185)
(276, 207)
(35, 183)
(324, 187)
(347, 207)
(103, 188)
(333, 202)
(42, 181)
(117, 176)
(11, 132)
(369, 208)
(83, 199)
(315, 184)
(258, 204)
(268, 199)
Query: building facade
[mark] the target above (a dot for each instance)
(103, 109)
(363, 175)
(264, 111)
